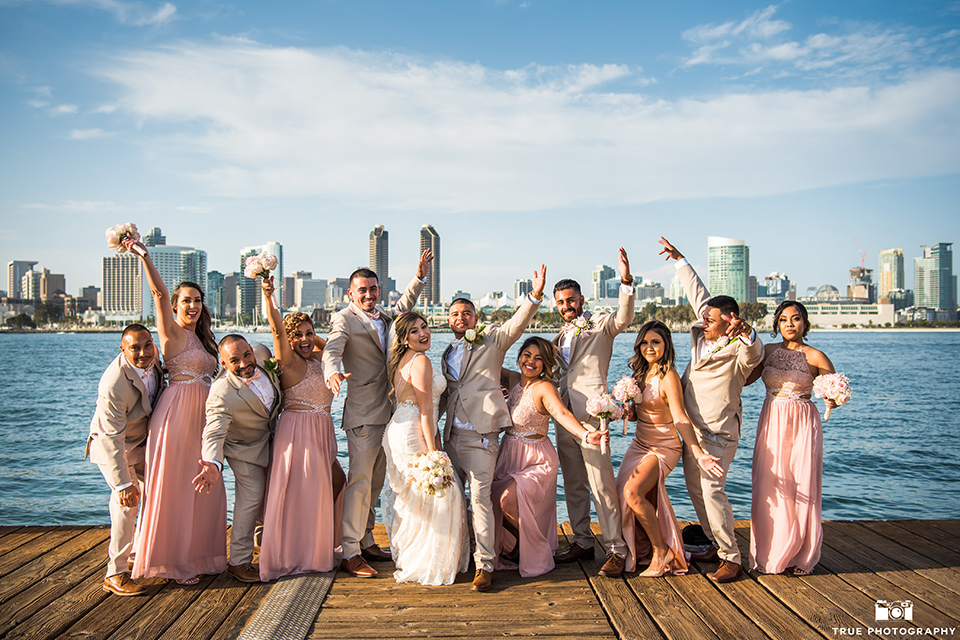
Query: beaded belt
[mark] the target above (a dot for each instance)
(533, 437)
(313, 408)
(787, 395)
(203, 378)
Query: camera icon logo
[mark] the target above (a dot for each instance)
(894, 610)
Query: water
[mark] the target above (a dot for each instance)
(893, 452)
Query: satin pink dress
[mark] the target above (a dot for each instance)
(655, 436)
(301, 514)
(181, 533)
(529, 458)
(785, 527)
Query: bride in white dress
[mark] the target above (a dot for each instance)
(428, 534)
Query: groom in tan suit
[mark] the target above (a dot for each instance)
(586, 344)
(126, 395)
(358, 342)
(724, 350)
(241, 416)
(476, 411)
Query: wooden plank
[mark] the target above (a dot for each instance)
(950, 526)
(20, 537)
(165, 607)
(931, 542)
(235, 622)
(672, 614)
(37, 569)
(453, 629)
(627, 616)
(724, 619)
(34, 598)
(931, 531)
(50, 539)
(6, 529)
(862, 545)
(52, 620)
(205, 614)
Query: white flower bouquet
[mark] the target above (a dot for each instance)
(626, 390)
(603, 406)
(120, 232)
(832, 386)
(431, 473)
(260, 266)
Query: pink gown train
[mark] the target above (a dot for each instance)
(301, 515)
(529, 458)
(182, 533)
(785, 527)
(655, 436)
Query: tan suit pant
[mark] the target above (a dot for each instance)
(708, 494)
(475, 464)
(123, 525)
(364, 483)
(249, 488)
(586, 472)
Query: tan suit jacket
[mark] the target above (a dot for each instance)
(476, 397)
(238, 425)
(118, 431)
(712, 385)
(586, 374)
(354, 343)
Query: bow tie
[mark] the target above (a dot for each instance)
(458, 342)
(375, 315)
(255, 376)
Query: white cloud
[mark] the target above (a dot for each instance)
(62, 109)
(393, 132)
(133, 13)
(77, 206)
(87, 134)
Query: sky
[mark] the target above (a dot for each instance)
(525, 132)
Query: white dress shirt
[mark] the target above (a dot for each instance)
(454, 361)
(706, 347)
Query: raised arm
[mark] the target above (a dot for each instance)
(281, 346)
(547, 399)
(173, 338)
(421, 378)
(410, 295)
(696, 292)
(672, 392)
(627, 301)
(511, 330)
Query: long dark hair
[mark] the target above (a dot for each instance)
(401, 325)
(548, 354)
(783, 306)
(640, 365)
(204, 322)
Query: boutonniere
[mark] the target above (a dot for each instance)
(721, 344)
(475, 336)
(581, 324)
(272, 367)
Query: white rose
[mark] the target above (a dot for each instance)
(470, 335)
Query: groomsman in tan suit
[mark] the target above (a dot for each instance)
(358, 343)
(126, 395)
(241, 415)
(476, 411)
(586, 344)
(724, 350)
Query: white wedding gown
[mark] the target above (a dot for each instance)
(428, 534)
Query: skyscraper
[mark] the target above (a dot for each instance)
(521, 288)
(214, 293)
(891, 271)
(934, 283)
(248, 289)
(122, 287)
(380, 260)
(154, 238)
(430, 239)
(599, 278)
(176, 264)
(15, 272)
(728, 268)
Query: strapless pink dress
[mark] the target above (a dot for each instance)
(301, 514)
(182, 533)
(529, 458)
(656, 436)
(785, 526)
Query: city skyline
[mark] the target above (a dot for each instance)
(524, 132)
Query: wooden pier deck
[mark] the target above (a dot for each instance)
(50, 581)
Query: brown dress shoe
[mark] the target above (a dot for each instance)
(356, 566)
(574, 553)
(727, 572)
(482, 581)
(244, 572)
(613, 567)
(374, 553)
(121, 585)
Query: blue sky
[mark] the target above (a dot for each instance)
(525, 132)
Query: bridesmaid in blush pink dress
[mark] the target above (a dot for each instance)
(653, 454)
(182, 534)
(524, 487)
(785, 528)
(303, 506)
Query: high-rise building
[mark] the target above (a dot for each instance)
(307, 292)
(230, 287)
(935, 285)
(380, 259)
(677, 292)
(175, 264)
(599, 279)
(154, 238)
(15, 272)
(891, 271)
(521, 288)
(430, 239)
(214, 293)
(728, 268)
(123, 287)
(90, 296)
(30, 284)
(861, 287)
(52, 285)
(248, 289)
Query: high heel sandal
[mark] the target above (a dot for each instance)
(652, 572)
(188, 581)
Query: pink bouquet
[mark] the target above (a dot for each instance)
(118, 233)
(626, 390)
(832, 386)
(431, 473)
(603, 406)
(260, 266)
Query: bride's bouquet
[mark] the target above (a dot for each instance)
(603, 406)
(832, 386)
(260, 266)
(431, 473)
(120, 232)
(626, 390)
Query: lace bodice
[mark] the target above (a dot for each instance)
(787, 372)
(527, 421)
(652, 409)
(312, 391)
(193, 361)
